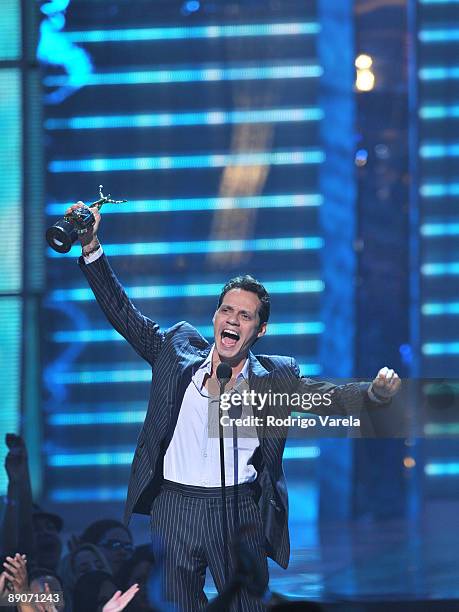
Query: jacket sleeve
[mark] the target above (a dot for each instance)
(143, 334)
(333, 399)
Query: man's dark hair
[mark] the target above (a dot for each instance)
(248, 283)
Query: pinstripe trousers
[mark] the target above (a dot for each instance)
(188, 520)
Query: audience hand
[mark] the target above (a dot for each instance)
(73, 543)
(16, 460)
(120, 600)
(16, 572)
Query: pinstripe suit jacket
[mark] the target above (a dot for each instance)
(174, 354)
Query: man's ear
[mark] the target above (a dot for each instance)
(262, 330)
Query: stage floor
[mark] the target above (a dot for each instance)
(386, 560)
(389, 560)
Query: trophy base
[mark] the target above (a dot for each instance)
(61, 236)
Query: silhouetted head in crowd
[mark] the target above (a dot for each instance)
(88, 558)
(113, 538)
(48, 545)
(137, 571)
(38, 579)
(92, 591)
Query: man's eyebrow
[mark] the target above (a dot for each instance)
(247, 312)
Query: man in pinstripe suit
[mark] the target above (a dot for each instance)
(175, 474)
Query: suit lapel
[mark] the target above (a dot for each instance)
(190, 358)
(259, 380)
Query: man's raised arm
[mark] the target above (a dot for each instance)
(143, 334)
(332, 399)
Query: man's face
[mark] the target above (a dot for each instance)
(237, 325)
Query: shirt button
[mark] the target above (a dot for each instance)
(204, 454)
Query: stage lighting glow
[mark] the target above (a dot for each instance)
(433, 151)
(89, 459)
(361, 157)
(11, 173)
(440, 308)
(134, 415)
(301, 452)
(63, 460)
(10, 372)
(96, 494)
(439, 229)
(439, 190)
(122, 417)
(439, 73)
(189, 75)
(442, 469)
(363, 61)
(440, 269)
(10, 28)
(110, 335)
(438, 35)
(291, 200)
(180, 162)
(251, 30)
(439, 112)
(365, 80)
(191, 6)
(440, 348)
(441, 429)
(191, 290)
(210, 117)
(202, 246)
(112, 376)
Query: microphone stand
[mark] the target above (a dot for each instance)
(236, 491)
(223, 375)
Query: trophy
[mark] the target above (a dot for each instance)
(65, 232)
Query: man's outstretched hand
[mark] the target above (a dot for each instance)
(386, 384)
(88, 239)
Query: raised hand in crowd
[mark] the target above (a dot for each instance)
(17, 522)
(73, 543)
(120, 600)
(16, 573)
(16, 461)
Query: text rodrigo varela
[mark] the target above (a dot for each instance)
(294, 401)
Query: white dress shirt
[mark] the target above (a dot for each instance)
(193, 457)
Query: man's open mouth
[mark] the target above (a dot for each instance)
(229, 338)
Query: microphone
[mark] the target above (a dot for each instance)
(224, 373)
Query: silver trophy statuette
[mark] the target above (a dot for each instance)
(64, 232)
